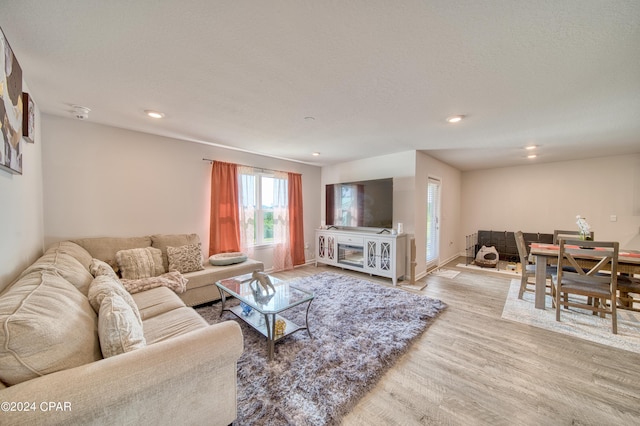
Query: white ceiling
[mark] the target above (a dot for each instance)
(377, 76)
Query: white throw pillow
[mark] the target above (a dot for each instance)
(119, 329)
(140, 263)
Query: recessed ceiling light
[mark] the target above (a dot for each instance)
(315, 154)
(153, 114)
(530, 147)
(532, 156)
(455, 119)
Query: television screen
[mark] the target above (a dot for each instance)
(360, 204)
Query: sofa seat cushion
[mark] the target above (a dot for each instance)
(156, 301)
(105, 248)
(65, 265)
(46, 325)
(212, 273)
(171, 324)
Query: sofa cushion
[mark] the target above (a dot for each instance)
(105, 248)
(66, 266)
(171, 324)
(105, 286)
(46, 325)
(162, 241)
(74, 250)
(140, 263)
(119, 328)
(185, 258)
(172, 280)
(99, 267)
(156, 301)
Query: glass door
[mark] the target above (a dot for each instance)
(433, 222)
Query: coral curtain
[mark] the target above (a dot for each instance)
(224, 230)
(296, 228)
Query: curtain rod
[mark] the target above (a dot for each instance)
(253, 167)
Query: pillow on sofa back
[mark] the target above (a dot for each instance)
(119, 328)
(162, 241)
(46, 325)
(64, 264)
(140, 263)
(72, 249)
(105, 248)
(185, 258)
(105, 286)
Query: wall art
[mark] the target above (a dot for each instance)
(10, 108)
(28, 118)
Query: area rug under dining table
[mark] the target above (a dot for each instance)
(359, 328)
(573, 322)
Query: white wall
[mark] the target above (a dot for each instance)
(450, 209)
(106, 181)
(544, 197)
(21, 223)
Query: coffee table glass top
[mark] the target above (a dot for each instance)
(245, 289)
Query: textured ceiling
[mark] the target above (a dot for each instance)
(376, 76)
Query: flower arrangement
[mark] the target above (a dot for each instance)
(583, 226)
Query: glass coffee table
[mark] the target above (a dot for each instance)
(261, 306)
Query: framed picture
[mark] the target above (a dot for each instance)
(28, 124)
(10, 109)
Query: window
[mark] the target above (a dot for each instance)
(262, 196)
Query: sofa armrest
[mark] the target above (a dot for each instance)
(189, 379)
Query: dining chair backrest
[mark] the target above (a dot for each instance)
(522, 247)
(557, 234)
(602, 257)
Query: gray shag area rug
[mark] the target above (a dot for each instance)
(359, 330)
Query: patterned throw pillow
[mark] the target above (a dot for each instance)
(140, 263)
(172, 280)
(99, 268)
(185, 258)
(119, 329)
(104, 286)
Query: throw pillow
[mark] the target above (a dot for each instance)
(104, 286)
(173, 280)
(46, 325)
(162, 241)
(99, 267)
(185, 259)
(119, 329)
(140, 263)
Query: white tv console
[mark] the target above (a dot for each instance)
(375, 253)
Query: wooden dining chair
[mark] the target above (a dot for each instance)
(598, 283)
(528, 269)
(557, 234)
(628, 293)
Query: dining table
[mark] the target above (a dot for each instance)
(628, 263)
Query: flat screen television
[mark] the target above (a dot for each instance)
(366, 204)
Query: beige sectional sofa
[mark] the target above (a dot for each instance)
(164, 363)
(201, 284)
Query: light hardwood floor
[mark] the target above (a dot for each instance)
(473, 368)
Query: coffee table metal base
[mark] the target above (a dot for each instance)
(265, 323)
